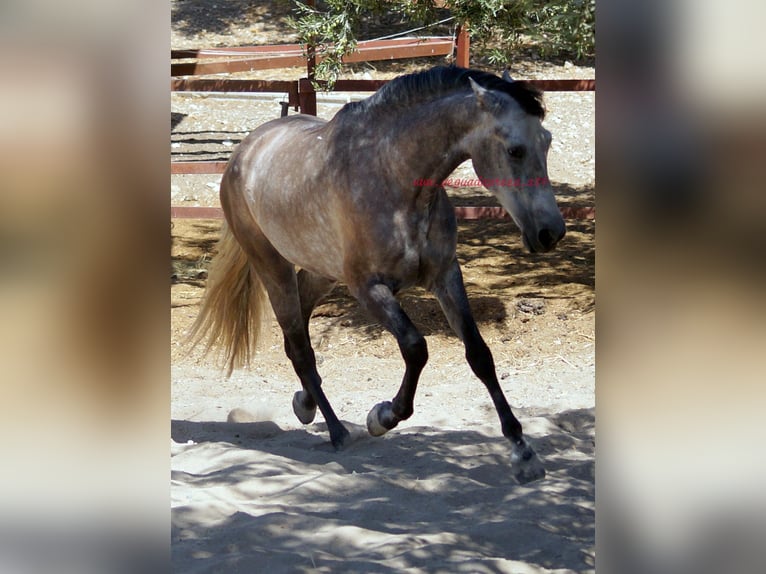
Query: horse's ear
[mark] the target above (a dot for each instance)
(507, 76)
(487, 100)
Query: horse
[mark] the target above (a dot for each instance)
(358, 199)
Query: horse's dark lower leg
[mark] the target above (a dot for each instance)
(281, 282)
(380, 302)
(450, 292)
(304, 362)
(311, 289)
(483, 365)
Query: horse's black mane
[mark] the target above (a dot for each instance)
(423, 86)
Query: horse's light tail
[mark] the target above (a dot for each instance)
(232, 308)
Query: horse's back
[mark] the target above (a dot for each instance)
(296, 121)
(268, 156)
(278, 136)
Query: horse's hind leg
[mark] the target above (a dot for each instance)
(311, 289)
(450, 291)
(380, 302)
(281, 283)
(285, 299)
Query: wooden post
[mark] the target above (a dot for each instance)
(308, 97)
(463, 45)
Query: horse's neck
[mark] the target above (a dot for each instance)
(429, 146)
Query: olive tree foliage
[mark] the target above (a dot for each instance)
(498, 27)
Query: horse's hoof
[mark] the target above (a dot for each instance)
(340, 438)
(376, 416)
(304, 415)
(526, 465)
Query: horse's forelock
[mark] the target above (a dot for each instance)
(529, 98)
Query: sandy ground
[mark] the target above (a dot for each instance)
(253, 490)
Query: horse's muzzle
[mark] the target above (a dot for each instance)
(546, 239)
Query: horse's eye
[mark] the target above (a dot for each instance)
(517, 151)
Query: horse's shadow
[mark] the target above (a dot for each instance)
(422, 308)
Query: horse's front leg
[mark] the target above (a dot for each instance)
(378, 300)
(450, 292)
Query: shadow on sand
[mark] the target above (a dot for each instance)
(420, 499)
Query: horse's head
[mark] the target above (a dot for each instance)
(509, 149)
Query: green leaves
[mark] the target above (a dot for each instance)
(498, 27)
(331, 30)
(553, 28)
(564, 27)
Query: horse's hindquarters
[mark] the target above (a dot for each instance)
(276, 181)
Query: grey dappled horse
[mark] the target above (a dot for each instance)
(358, 199)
